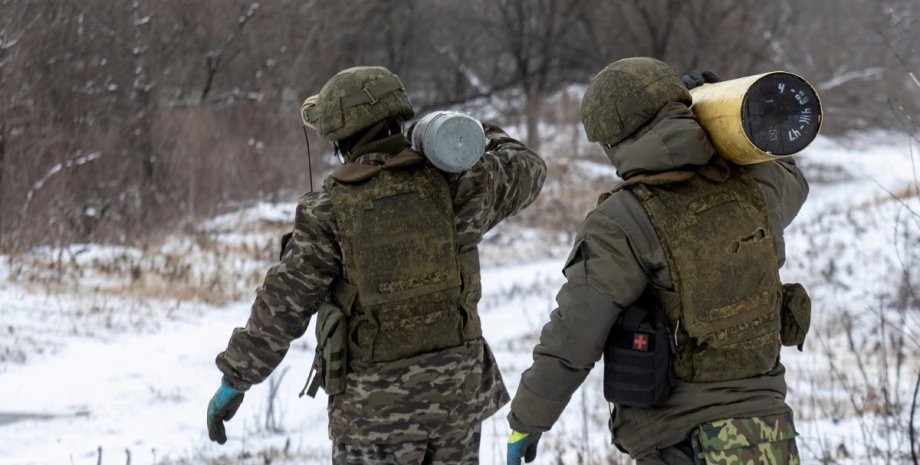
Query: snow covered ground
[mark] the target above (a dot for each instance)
(92, 372)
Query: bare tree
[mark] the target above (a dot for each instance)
(215, 58)
(184, 108)
(709, 23)
(654, 22)
(533, 35)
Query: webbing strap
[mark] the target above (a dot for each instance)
(311, 115)
(370, 133)
(312, 385)
(373, 92)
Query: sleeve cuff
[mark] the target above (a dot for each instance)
(239, 386)
(533, 414)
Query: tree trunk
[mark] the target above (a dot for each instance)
(2, 169)
(533, 105)
(143, 109)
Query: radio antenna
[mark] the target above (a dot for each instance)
(309, 157)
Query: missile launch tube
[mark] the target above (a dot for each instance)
(758, 118)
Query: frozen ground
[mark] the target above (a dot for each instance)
(90, 367)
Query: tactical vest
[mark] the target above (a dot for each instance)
(724, 310)
(406, 289)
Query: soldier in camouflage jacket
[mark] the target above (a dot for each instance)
(423, 409)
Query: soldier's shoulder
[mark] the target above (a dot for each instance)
(315, 203)
(618, 204)
(315, 213)
(314, 198)
(621, 213)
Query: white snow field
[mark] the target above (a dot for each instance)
(91, 375)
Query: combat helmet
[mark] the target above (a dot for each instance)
(625, 95)
(354, 99)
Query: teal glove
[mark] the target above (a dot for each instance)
(222, 408)
(522, 445)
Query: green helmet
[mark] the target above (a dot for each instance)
(356, 98)
(625, 95)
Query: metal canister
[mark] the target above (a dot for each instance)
(758, 118)
(451, 140)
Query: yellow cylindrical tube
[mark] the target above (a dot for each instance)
(758, 118)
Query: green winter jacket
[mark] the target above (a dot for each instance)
(617, 254)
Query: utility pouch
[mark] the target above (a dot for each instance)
(331, 360)
(637, 360)
(795, 316)
(766, 439)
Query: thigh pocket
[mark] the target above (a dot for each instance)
(757, 440)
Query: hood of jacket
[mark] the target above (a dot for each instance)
(672, 140)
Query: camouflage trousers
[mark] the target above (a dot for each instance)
(766, 440)
(453, 450)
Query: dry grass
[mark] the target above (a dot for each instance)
(202, 267)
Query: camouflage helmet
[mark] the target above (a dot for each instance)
(354, 99)
(625, 95)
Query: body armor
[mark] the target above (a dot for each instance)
(725, 307)
(406, 289)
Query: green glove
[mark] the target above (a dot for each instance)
(522, 445)
(222, 408)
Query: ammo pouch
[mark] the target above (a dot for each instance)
(637, 360)
(795, 316)
(330, 362)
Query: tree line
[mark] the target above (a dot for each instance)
(121, 119)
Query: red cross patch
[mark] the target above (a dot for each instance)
(640, 342)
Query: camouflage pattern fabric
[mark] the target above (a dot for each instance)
(767, 440)
(408, 290)
(626, 95)
(289, 296)
(507, 178)
(354, 99)
(454, 450)
(447, 390)
(705, 227)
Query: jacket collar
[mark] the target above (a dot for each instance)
(672, 140)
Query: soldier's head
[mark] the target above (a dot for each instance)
(354, 103)
(625, 96)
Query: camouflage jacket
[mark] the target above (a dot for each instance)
(617, 254)
(429, 395)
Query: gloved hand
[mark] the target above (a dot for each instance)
(696, 78)
(522, 445)
(222, 408)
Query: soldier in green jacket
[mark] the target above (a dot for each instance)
(700, 240)
(386, 256)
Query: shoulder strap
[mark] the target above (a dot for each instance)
(352, 173)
